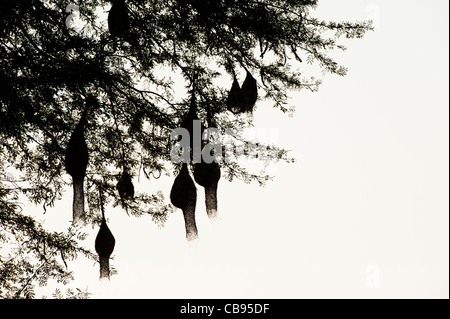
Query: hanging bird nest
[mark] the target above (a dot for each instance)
(76, 161)
(125, 186)
(104, 245)
(208, 176)
(118, 19)
(242, 99)
(184, 196)
(249, 91)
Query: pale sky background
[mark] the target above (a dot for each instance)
(363, 213)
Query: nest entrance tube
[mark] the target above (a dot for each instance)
(189, 220)
(211, 200)
(78, 203)
(104, 268)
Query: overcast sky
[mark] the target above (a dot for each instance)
(362, 213)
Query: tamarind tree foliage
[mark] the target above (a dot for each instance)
(60, 59)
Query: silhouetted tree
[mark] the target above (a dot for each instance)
(53, 67)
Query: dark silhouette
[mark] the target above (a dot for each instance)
(118, 19)
(49, 69)
(104, 246)
(125, 186)
(184, 196)
(242, 99)
(76, 161)
(249, 91)
(235, 98)
(208, 176)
